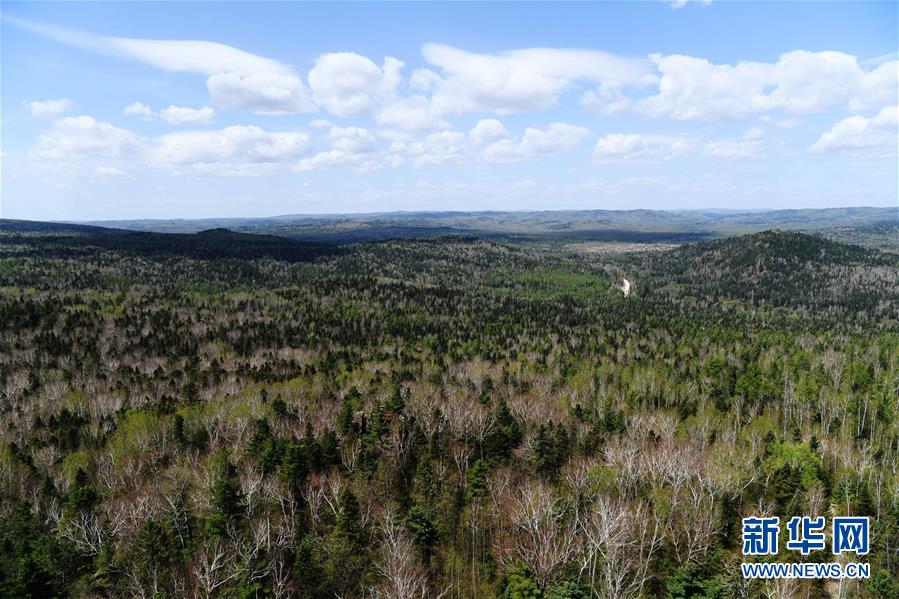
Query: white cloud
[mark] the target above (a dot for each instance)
(799, 82)
(557, 138)
(458, 81)
(353, 140)
(751, 145)
(350, 146)
(175, 115)
(487, 130)
(693, 88)
(263, 92)
(813, 81)
(678, 4)
(609, 98)
(236, 78)
(337, 158)
(49, 107)
(321, 161)
(520, 80)
(348, 84)
(874, 137)
(233, 150)
(357, 147)
(180, 115)
(391, 78)
(423, 80)
(438, 148)
(646, 146)
(192, 56)
(139, 109)
(878, 87)
(630, 146)
(412, 113)
(82, 136)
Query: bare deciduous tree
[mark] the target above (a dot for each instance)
(403, 577)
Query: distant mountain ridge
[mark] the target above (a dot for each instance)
(69, 240)
(873, 226)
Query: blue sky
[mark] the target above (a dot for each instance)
(161, 110)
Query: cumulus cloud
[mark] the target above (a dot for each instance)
(488, 140)
(263, 92)
(174, 115)
(354, 140)
(644, 146)
(348, 84)
(556, 138)
(82, 136)
(457, 81)
(439, 148)
(799, 82)
(336, 158)
(49, 107)
(233, 150)
(750, 145)
(139, 109)
(877, 87)
(423, 80)
(874, 137)
(180, 115)
(350, 146)
(322, 160)
(630, 146)
(236, 150)
(609, 98)
(412, 113)
(487, 130)
(520, 80)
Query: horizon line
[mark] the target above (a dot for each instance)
(296, 215)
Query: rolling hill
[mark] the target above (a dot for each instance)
(781, 268)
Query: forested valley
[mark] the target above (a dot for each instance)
(229, 415)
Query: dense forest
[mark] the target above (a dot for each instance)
(230, 415)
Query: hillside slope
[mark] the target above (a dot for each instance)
(781, 268)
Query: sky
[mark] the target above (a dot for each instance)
(231, 109)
